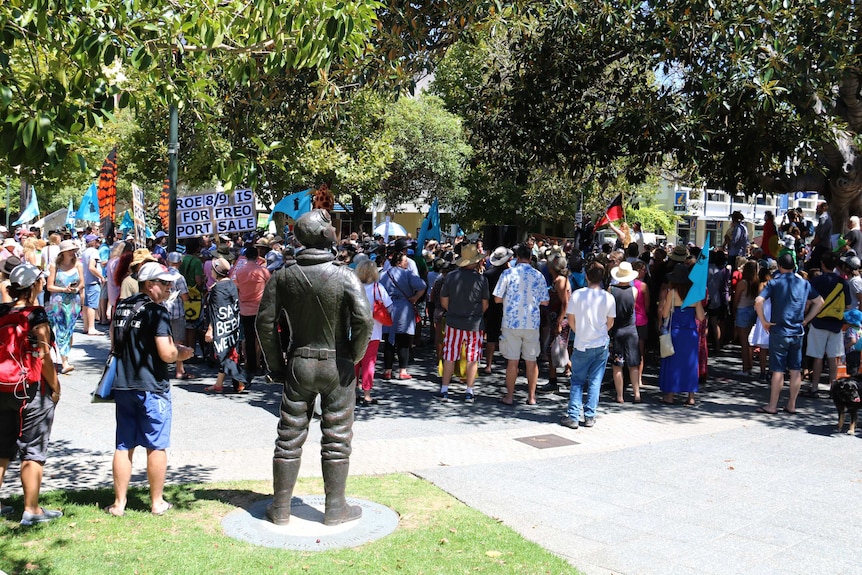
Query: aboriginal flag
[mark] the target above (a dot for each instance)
(613, 213)
(108, 192)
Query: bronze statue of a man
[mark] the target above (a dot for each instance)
(323, 309)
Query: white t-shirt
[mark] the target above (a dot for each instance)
(591, 307)
(383, 295)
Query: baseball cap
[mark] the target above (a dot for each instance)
(25, 275)
(155, 271)
(160, 234)
(90, 238)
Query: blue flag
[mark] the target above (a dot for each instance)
(697, 275)
(430, 229)
(127, 223)
(31, 212)
(70, 215)
(293, 205)
(88, 211)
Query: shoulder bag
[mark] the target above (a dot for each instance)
(105, 388)
(665, 342)
(380, 313)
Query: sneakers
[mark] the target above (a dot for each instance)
(569, 422)
(47, 515)
(441, 395)
(589, 422)
(6, 510)
(469, 398)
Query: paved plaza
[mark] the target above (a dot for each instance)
(714, 489)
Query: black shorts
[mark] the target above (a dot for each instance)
(34, 424)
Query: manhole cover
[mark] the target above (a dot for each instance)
(546, 441)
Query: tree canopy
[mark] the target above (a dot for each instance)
(740, 96)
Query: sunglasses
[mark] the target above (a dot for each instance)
(164, 282)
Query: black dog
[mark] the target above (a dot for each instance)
(845, 394)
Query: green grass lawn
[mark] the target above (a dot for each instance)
(436, 534)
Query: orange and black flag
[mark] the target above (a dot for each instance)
(108, 193)
(613, 213)
(165, 204)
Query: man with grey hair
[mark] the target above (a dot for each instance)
(853, 237)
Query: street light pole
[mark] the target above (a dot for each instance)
(173, 152)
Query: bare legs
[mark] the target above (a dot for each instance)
(157, 464)
(817, 371)
(775, 391)
(512, 375)
(634, 378)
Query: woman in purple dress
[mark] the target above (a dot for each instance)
(679, 372)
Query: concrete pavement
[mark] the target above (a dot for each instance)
(716, 488)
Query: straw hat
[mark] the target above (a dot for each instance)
(469, 255)
(141, 256)
(624, 273)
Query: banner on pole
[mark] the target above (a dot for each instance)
(139, 216)
(217, 213)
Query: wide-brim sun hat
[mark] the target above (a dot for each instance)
(9, 243)
(221, 267)
(469, 255)
(501, 256)
(624, 273)
(141, 256)
(68, 246)
(678, 254)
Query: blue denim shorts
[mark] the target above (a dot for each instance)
(143, 419)
(745, 316)
(785, 353)
(92, 293)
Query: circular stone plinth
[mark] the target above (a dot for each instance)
(306, 531)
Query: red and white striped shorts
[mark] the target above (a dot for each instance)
(456, 338)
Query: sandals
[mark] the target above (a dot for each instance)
(214, 389)
(68, 369)
(186, 376)
(113, 511)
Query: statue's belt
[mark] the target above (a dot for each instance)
(312, 353)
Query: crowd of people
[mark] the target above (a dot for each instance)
(566, 309)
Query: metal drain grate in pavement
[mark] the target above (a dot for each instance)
(546, 441)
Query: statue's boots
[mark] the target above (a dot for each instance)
(334, 482)
(284, 474)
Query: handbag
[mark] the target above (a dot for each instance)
(104, 389)
(665, 342)
(559, 351)
(380, 313)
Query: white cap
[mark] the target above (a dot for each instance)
(155, 271)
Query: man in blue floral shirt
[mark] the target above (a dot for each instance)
(521, 290)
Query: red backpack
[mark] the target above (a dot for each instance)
(20, 357)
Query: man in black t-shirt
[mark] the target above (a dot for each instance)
(144, 347)
(464, 296)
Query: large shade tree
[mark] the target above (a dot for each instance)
(743, 96)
